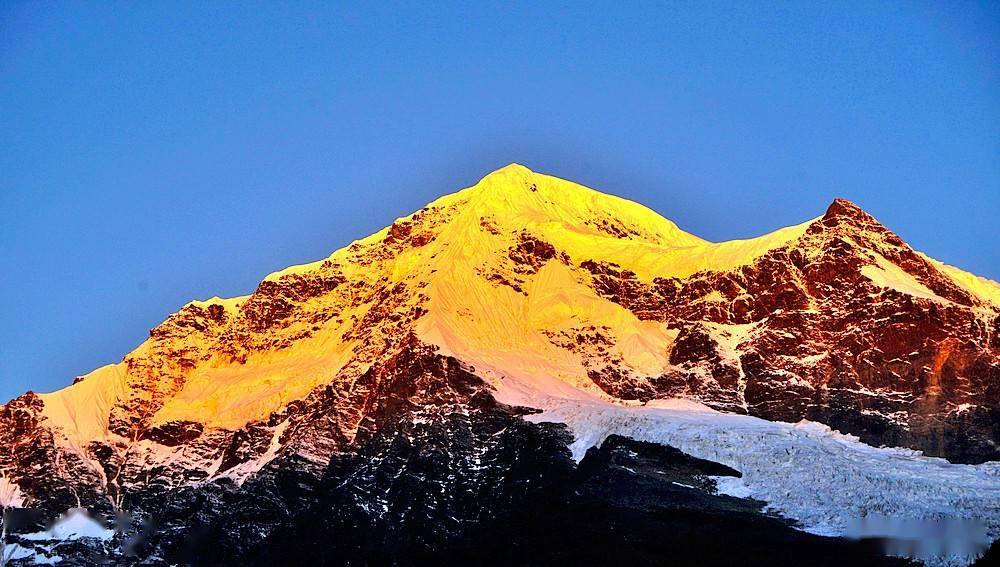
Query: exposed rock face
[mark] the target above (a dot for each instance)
(386, 381)
(30, 452)
(805, 332)
(441, 473)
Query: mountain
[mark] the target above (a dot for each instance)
(473, 364)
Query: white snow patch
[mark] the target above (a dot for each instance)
(731, 486)
(813, 358)
(886, 274)
(10, 494)
(240, 473)
(13, 551)
(75, 524)
(40, 559)
(714, 296)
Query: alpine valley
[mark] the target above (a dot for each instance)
(529, 371)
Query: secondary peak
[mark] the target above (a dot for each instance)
(843, 208)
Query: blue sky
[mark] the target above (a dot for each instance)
(157, 152)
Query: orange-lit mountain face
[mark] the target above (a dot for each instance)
(543, 290)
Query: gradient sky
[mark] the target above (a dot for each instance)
(156, 152)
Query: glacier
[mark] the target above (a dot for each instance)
(824, 480)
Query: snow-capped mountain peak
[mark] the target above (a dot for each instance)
(532, 291)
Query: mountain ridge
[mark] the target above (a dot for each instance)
(514, 191)
(516, 171)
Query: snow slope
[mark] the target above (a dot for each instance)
(821, 478)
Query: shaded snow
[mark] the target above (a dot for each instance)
(13, 551)
(805, 471)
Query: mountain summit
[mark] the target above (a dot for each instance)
(523, 291)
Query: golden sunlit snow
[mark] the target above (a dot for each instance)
(504, 331)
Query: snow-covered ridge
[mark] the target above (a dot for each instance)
(584, 223)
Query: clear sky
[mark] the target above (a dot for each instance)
(156, 152)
